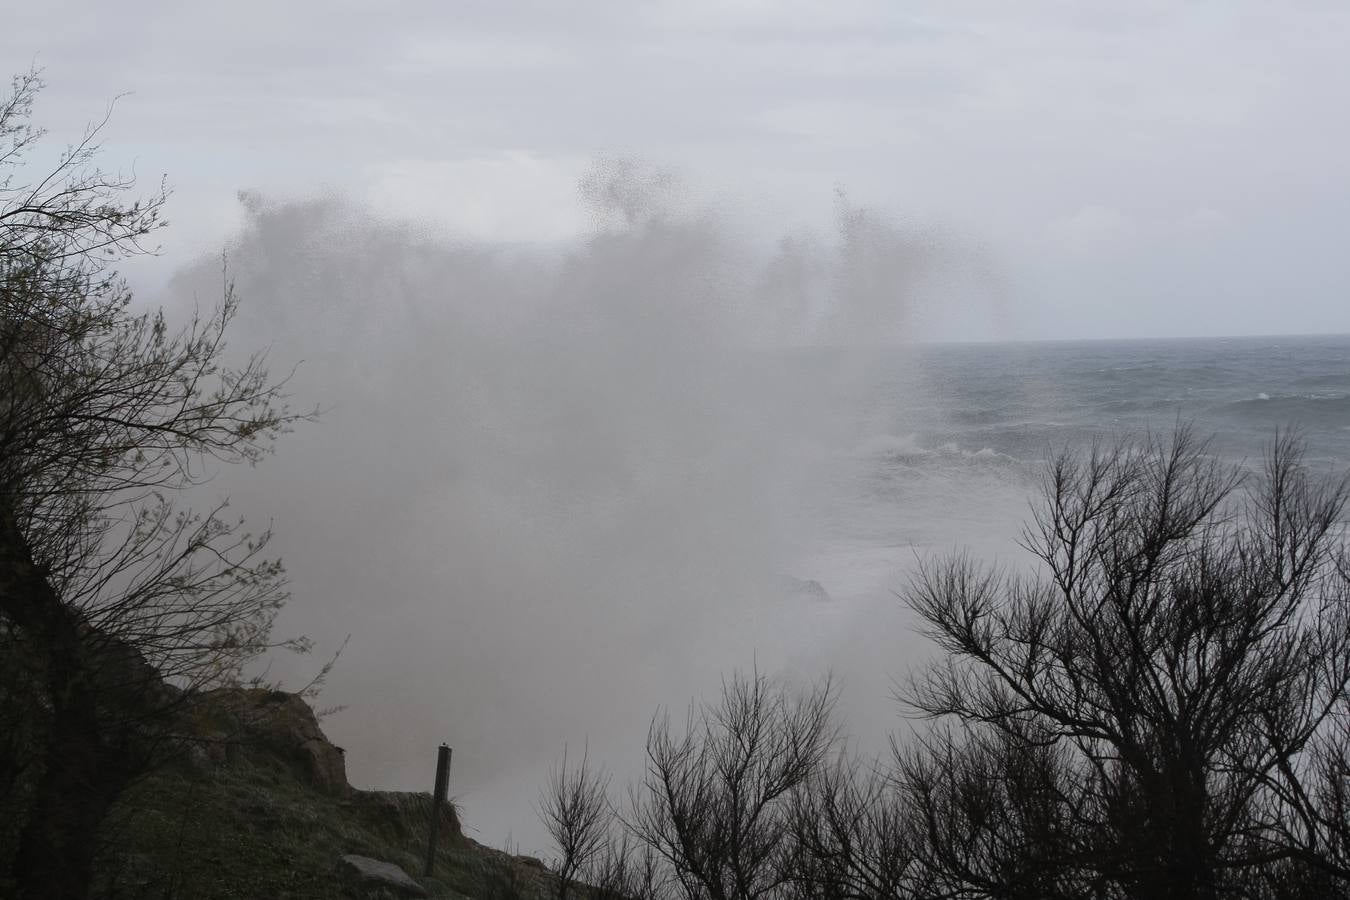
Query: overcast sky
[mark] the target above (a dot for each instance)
(1127, 169)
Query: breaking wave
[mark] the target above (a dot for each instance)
(1321, 409)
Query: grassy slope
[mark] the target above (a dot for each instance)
(254, 830)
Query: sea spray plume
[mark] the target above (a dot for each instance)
(622, 192)
(555, 485)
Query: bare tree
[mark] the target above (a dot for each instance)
(576, 811)
(854, 836)
(1165, 676)
(627, 869)
(995, 817)
(716, 801)
(1157, 711)
(120, 603)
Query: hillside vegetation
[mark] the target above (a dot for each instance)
(253, 810)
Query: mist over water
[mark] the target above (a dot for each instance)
(556, 487)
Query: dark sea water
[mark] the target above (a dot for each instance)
(1017, 398)
(949, 451)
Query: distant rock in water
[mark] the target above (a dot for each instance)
(808, 589)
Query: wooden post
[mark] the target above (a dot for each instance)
(437, 803)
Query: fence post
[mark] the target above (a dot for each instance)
(437, 803)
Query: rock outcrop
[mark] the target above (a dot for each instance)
(373, 873)
(256, 723)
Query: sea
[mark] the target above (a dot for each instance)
(948, 453)
(1015, 399)
(953, 440)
